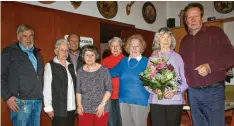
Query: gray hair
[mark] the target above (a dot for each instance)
(91, 48)
(59, 42)
(23, 28)
(162, 31)
(115, 39)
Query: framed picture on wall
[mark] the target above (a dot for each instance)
(107, 9)
(149, 12)
(224, 6)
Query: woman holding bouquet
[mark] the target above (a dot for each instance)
(133, 97)
(167, 111)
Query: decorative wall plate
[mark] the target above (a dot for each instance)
(224, 6)
(108, 9)
(128, 7)
(149, 12)
(75, 4)
(46, 2)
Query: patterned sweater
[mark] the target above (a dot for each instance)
(92, 87)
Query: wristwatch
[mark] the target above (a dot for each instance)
(103, 104)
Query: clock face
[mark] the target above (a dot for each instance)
(149, 12)
(224, 6)
(108, 9)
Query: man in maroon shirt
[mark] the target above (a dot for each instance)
(207, 53)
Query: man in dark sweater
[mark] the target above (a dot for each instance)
(207, 53)
(22, 70)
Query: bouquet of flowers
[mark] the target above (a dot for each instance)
(160, 75)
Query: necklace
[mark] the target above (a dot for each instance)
(131, 67)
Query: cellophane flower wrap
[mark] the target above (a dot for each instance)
(160, 75)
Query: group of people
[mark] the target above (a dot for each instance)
(111, 93)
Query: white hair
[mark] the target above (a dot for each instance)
(59, 42)
(117, 39)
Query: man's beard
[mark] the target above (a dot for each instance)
(29, 47)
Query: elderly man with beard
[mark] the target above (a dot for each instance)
(22, 70)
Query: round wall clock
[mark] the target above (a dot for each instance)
(108, 9)
(224, 6)
(149, 12)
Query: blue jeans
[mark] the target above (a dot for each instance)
(208, 105)
(115, 118)
(28, 114)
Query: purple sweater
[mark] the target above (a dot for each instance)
(176, 61)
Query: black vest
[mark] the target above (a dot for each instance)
(59, 87)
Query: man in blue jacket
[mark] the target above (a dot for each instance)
(22, 77)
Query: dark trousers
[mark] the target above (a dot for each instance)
(64, 121)
(115, 118)
(208, 105)
(165, 115)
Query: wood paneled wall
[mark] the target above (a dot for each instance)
(50, 25)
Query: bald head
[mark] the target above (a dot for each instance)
(74, 41)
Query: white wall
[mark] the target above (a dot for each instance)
(174, 8)
(165, 10)
(228, 29)
(90, 8)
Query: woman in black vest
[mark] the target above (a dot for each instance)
(59, 87)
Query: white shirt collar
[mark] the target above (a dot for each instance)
(137, 58)
(57, 61)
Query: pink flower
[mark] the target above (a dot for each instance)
(151, 76)
(155, 71)
(160, 65)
